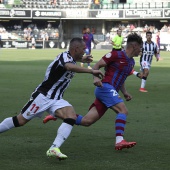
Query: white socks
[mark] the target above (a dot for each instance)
(62, 134)
(6, 124)
(119, 139)
(143, 83)
(135, 73)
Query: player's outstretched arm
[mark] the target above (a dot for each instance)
(78, 69)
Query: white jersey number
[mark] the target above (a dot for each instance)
(114, 92)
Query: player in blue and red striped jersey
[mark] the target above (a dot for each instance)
(158, 43)
(118, 66)
(88, 39)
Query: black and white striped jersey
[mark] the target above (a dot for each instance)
(57, 78)
(148, 50)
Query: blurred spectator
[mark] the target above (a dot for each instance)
(164, 28)
(49, 25)
(33, 42)
(44, 36)
(57, 35)
(35, 27)
(15, 27)
(84, 30)
(27, 33)
(93, 30)
(132, 27)
(146, 28)
(96, 4)
(107, 37)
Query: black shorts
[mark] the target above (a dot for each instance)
(116, 49)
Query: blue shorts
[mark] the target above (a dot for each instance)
(108, 95)
(87, 51)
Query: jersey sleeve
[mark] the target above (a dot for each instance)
(110, 57)
(65, 58)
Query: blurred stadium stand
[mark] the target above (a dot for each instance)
(103, 4)
(50, 4)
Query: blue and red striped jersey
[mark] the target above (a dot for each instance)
(119, 66)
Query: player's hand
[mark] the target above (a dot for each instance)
(87, 59)
(98, 73)
(97, 82)
(127, 96)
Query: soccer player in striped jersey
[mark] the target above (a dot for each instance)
(118, 65)
(48, 96)
(149, 49)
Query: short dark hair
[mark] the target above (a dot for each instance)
(148, 32)
(134, 37)
(77, 41)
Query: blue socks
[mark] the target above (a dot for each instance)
(78, 120)
(120, 124)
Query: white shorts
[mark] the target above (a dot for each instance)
(145, 64)
(39, 103)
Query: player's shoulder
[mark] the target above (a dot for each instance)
(111, 54)
(66, 54)
(154, 44)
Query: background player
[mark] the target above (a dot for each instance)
(88, 39)
(148, 50)
(117, 41)
(158, 43)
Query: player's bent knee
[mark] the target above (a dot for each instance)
(87, 122)
(19, 120)
(70, 121)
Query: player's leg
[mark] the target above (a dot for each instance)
(96, 111)
(62, 109)
(88, 53)
(145, 66)
(120, 123)
(29, 111)
(12, 122)
(109, 96)
(91, 117)
(137, 74)
(144, 79)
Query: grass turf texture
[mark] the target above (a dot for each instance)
(89, 148)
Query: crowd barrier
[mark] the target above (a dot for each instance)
(6, 44)
(38, 45)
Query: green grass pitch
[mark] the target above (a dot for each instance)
(87, 148)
